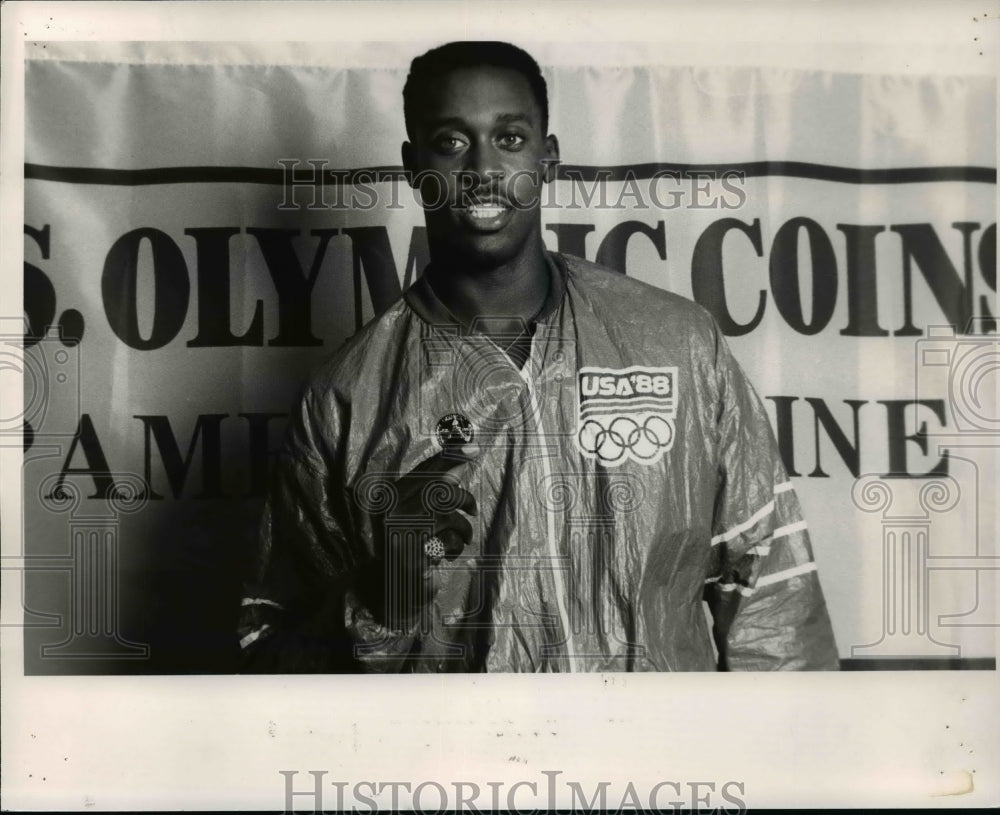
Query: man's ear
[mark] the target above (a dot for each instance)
(407, 151)
(551, 157)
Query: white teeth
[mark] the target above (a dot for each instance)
(489, 211)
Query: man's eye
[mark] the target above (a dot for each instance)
(449, 144)
(510, 140)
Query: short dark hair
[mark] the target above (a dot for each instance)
(429, 67)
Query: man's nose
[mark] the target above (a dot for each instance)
(483, 161)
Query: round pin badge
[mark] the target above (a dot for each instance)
(454, 429)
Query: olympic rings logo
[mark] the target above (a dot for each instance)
(612, 439)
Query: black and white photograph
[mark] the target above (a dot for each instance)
(372, 356)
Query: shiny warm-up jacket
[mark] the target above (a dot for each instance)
(624, 475)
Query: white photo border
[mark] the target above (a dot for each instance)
(221, 742)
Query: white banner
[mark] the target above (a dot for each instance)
(211, 221)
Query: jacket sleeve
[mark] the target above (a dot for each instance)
(308, 604)
(763, 590)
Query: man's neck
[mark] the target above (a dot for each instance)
(507, 296)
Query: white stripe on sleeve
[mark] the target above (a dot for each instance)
(749, 522)
(787, 574)
(261, 601)
(746, 591)
(781, 531)
(253, 636)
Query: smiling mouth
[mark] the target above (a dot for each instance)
(490, 215)
(485, 212)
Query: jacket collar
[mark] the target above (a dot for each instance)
(423, 300)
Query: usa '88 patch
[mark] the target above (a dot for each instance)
(626, 413)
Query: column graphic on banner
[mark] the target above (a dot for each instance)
(92, 563)
(908, 562)
(905, 570)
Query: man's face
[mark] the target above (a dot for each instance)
(478, 157)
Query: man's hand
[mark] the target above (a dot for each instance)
(430, 503)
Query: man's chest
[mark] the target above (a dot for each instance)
(579, 430)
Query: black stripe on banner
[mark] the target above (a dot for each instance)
(920, 664)
(205, 175)
(564, 172)
(786, 169)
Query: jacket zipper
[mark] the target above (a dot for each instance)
(557, 575)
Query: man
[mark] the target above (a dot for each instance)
(529, 463)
